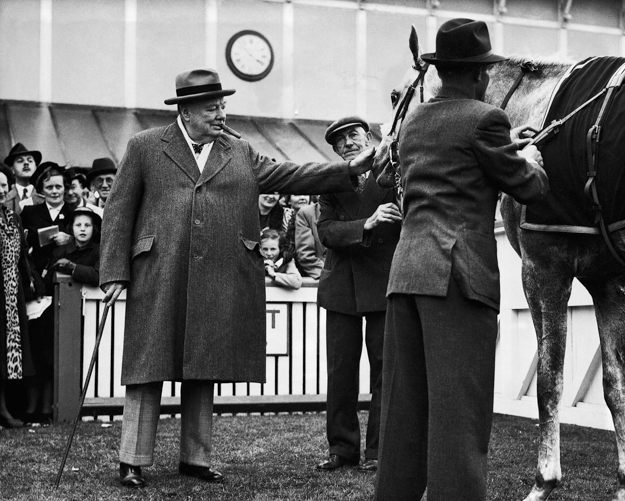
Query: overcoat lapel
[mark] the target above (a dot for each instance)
(178, 150)
(218, 158)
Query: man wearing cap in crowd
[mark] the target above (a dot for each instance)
(456, 154)
(360, 231)
(100, 180)
(23, 162)
(181, 235)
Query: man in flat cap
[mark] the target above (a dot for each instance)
(181, 236)
(456, 153)
(360, 230)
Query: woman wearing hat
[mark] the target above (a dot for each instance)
(17, 281)
(53, 213)
(456, 154)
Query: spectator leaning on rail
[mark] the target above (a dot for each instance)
(100, 180)
(309, 251)
(456, 154)
(279, 264)
(181, 233)
(360, 230)
(23, 163)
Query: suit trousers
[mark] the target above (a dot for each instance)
(344, 349)
(437, 398)
(140, 422)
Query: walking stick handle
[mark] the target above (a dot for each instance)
(83, 394)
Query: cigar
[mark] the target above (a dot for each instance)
(230, 131)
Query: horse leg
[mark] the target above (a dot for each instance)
(547, 289)
(609, 299)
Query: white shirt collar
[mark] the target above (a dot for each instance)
(203, 156)
(54, 211)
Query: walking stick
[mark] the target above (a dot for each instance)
(82, 396)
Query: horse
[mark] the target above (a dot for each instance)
(550, 260)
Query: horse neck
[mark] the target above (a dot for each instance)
(529, 103)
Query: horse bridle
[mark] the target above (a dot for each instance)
(393, 155)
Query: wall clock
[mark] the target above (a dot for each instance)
(249, 55)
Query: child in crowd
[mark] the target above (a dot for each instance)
(80, 258)
(279, 266)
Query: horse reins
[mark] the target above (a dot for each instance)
(593, 138)
(402, 109)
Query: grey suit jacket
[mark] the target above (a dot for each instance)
(456, 155)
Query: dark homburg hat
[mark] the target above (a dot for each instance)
(342, 123)
(100, 167)
(18, 150)
(195, 85)
(463, 41)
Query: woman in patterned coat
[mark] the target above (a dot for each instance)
(15, 359)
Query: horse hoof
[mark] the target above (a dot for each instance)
(543, 492)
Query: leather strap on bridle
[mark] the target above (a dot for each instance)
(393, 154)
(526, 67)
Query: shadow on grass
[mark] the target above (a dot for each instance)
(267, 458)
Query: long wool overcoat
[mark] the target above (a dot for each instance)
(188, 245)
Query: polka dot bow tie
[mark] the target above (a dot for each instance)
(197, 148)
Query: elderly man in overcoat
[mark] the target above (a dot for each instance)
(181, 235)
(456, 154)
(361, 231)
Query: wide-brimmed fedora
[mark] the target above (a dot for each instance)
(463, 41)
(343, 123)
(18, 150)
(100, 167)
(196, 85)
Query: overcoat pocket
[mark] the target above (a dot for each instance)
(144, 244)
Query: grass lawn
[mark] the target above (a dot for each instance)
(272, 458)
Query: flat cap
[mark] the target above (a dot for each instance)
(341, 123)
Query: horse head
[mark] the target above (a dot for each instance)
(386, 166)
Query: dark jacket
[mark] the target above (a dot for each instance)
(86, 259)
(456, 155)
(357, 263)
(35, 217)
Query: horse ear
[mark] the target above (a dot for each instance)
(414, 47)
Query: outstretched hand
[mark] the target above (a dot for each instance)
(362, 163)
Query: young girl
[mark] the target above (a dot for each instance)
(80, 258)
(279, 266)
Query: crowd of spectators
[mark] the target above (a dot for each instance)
(294, 219)
(50, 221)
(50, 218)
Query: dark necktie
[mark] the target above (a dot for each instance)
(25, 196)
(197, 148)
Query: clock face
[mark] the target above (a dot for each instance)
(249, 55)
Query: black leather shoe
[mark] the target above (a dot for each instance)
(202, 472)
(130, 476)
(335, 461)
(369, 465)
